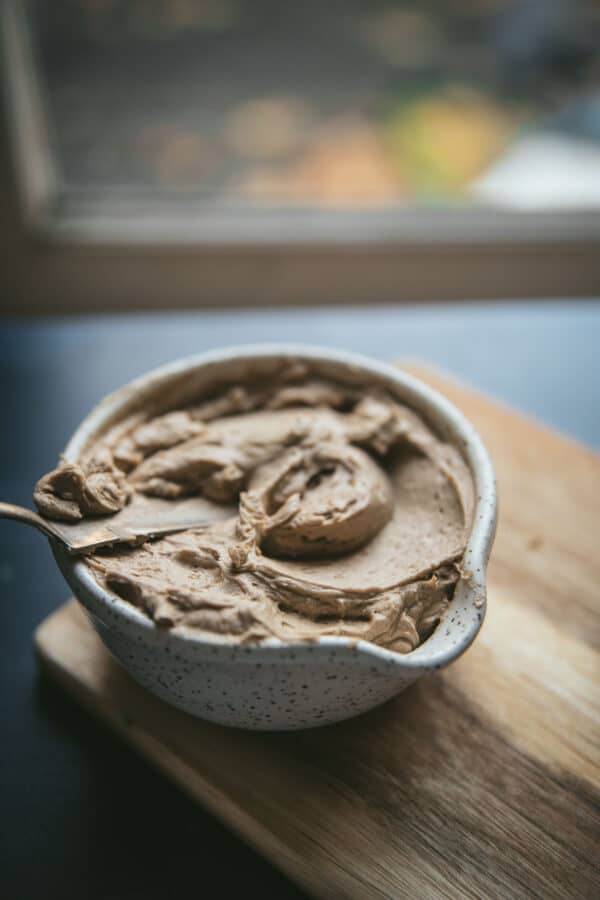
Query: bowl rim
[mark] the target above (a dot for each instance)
(427, 401)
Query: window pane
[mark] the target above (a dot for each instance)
(264, 103)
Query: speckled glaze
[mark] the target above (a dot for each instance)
(276, 685)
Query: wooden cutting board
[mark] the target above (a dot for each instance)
(482, 780)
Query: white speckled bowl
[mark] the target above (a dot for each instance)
(276, 685)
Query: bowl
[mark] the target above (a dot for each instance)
(276, 685)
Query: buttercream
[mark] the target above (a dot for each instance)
(349, 515)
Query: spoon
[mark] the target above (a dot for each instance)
(142, 518)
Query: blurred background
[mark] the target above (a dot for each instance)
(161, 153)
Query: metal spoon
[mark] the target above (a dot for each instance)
(142, 518)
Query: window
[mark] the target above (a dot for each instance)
(459, 133)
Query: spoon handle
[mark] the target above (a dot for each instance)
(28, 517)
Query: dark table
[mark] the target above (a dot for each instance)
(82, 815)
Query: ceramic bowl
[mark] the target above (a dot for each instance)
(275, 685)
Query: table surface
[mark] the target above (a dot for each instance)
(84, 816)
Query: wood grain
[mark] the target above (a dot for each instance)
(479, 781)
